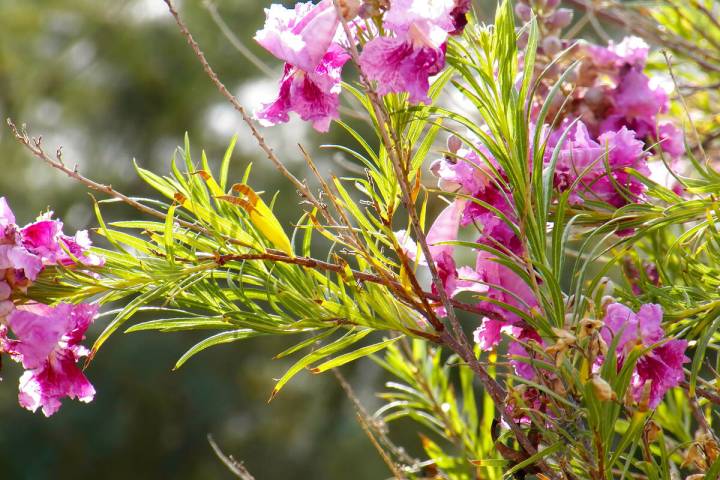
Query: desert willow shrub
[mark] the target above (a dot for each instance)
(557, 318)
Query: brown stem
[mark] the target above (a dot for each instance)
(237, 468)
(34, 145)
(278, 256)
(372, 430)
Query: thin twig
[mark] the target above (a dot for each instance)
(234, 40)
(237, 468)
(370, 428)
(34, 145)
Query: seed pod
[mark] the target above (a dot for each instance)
(652, 431)
(695, 457)
(589, 326)
(710, 447)
(602, 389)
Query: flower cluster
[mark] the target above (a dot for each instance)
(604, 129)
(45, 340)
(657, 370)
(311, 40)
(612, 121)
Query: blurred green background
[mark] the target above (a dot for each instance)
(113, 81)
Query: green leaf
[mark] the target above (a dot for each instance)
(354, 355)
(220, 338)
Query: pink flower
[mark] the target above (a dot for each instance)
(406, 61)
(467, 173)
(671, 138)
(45, 239)
(314, 95)
(302, 36)
(505, 287)
(459, 16)
(41, 238)
(6, 215)
(423, 22)
(635, 98)
(445, 229)
(6, 305)
(47, 343)
(517, 349)
(631, 51)
(600, 165)
(16, 257)
(463, 171)
(614, 92)
(398, 66)
(661, 367)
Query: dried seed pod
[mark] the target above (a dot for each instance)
(589, 326)
(695, 457)
(602, 389)
(652, 431)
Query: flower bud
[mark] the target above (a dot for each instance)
(559, 19)
(551, 45)
(454, 143)
(602, 389)
(523, 12)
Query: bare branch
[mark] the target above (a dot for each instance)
(237, 468)
(34, 145)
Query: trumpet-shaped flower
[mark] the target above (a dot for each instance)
(597, 170)
(406, 61)
(661, 367)
(397, 65)
(47, 343)
(314, 95)
(505, 289)
(301, 36)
